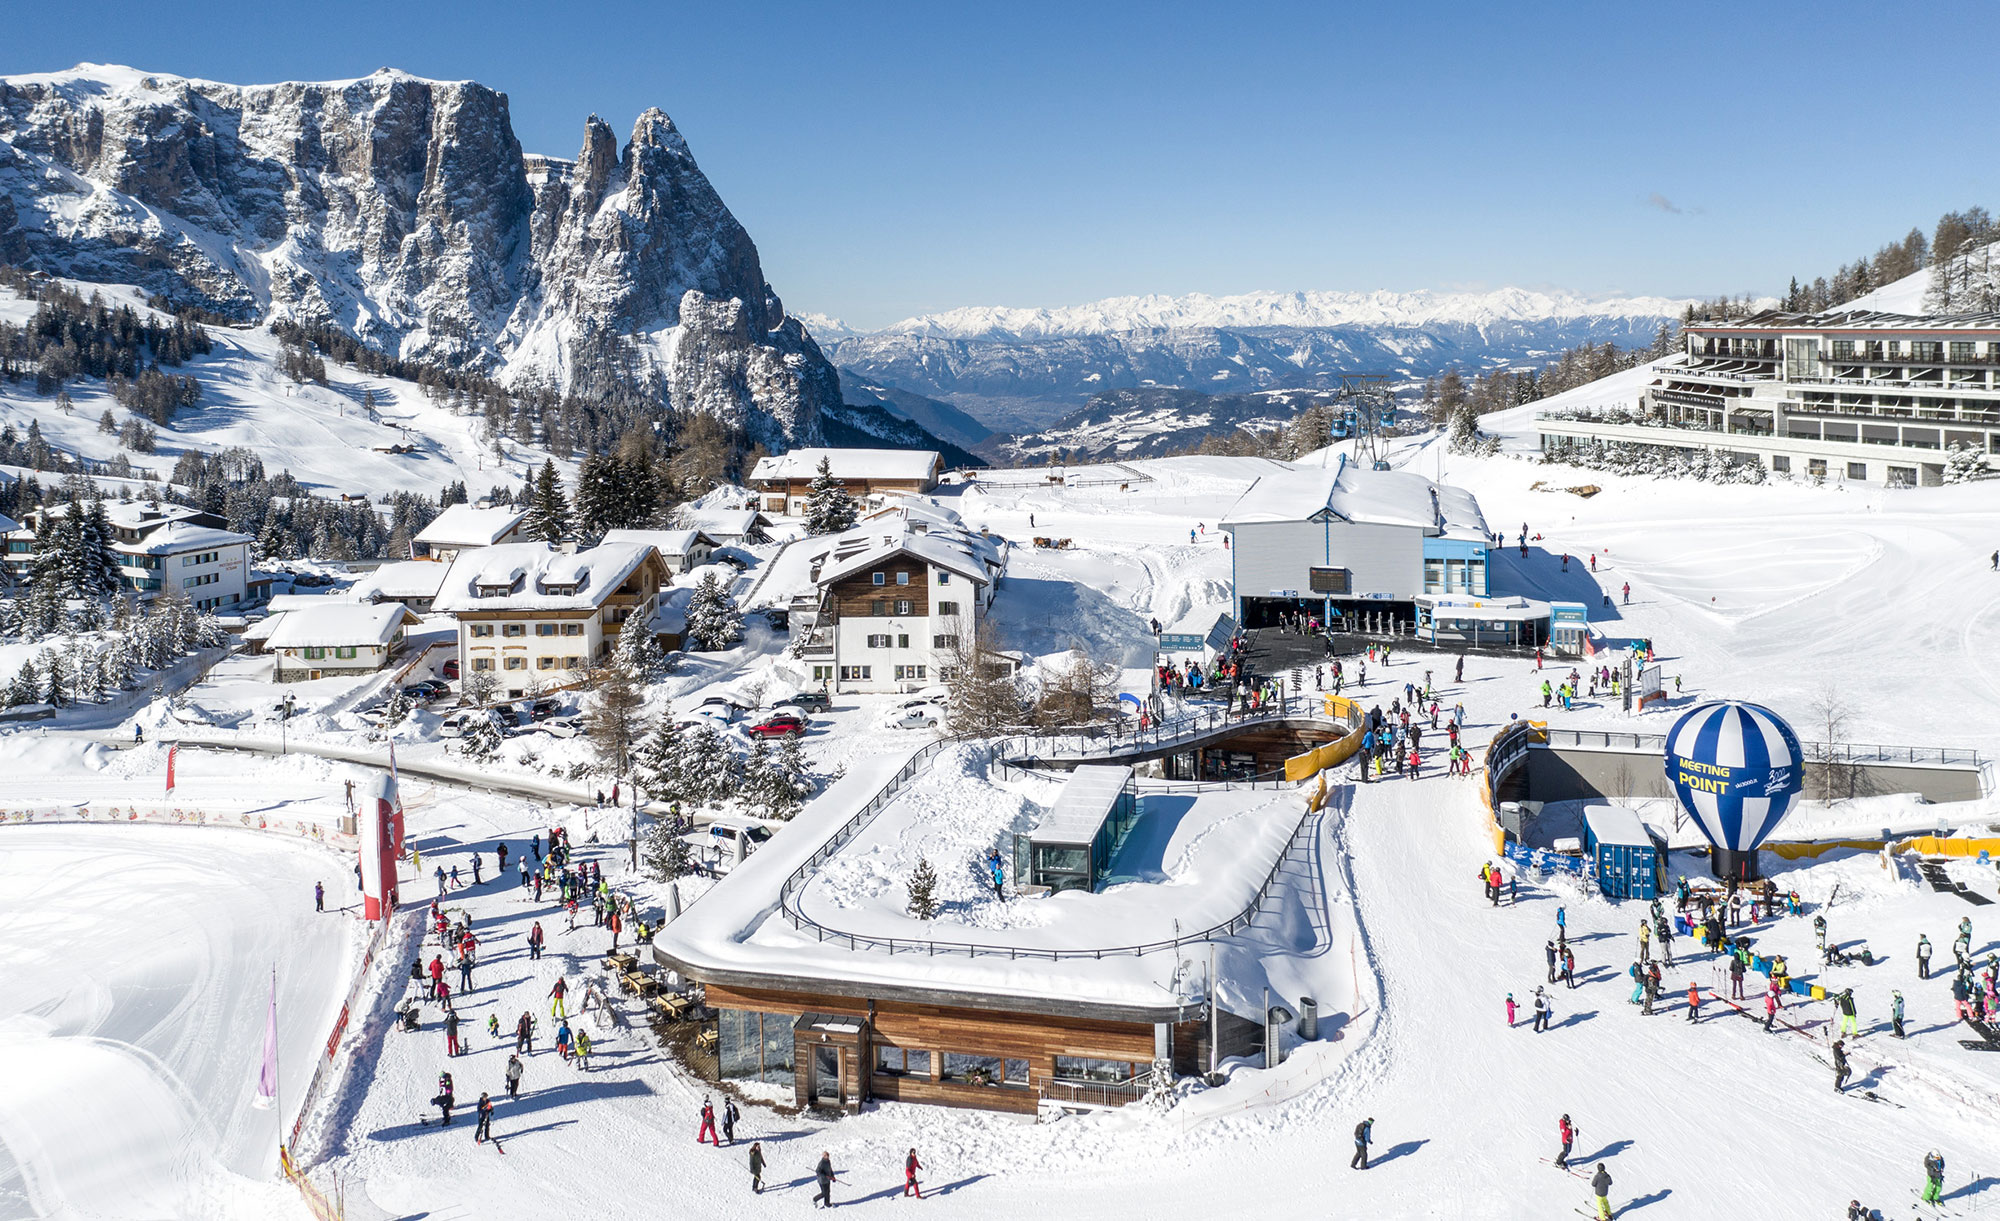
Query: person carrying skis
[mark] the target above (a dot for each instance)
(1840, 1069)
(1363, 1132)
(443, 1100)
(1933, 1177)
(707, 1132)
(1896, 1013)
(1601, 1184)
(1543, 1010)
(1568, 1135)
(823, 1172)
(484, 1132)
(910, 1167)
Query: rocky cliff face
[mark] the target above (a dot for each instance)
(403, 211)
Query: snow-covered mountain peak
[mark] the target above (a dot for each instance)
(1315, 309)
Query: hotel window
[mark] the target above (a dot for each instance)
(1963, 352)
(1781, 463)
(1857, 470)
(1926, 350)
(482, 629)
(879, 640)
(902, 640)
(822, 673)
(914, 673)
(482, 663)
(1843, 349)
(947, 674)
(878, 608)
(314, 653)
(572, 629)
(345, 652)
(856, 673)
(905, 606)
(947, 608)
(981, 1070)
(1816, 467)
(572, 663)
(514, 629)
(545, 629)
(944, 642)
(514, 663)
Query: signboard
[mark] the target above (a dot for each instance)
(1574, 614)
(1650, 686)
(1180, 642)
(1330, 580)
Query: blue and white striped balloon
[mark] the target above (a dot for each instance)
(1737, 768)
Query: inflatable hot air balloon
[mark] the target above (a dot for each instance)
(1737, 768)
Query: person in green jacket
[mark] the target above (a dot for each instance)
(757, 1166)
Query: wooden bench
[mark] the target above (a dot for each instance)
(619, 963)
(707, 1040)
(673, 1006)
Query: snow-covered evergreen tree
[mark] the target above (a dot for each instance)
(713, 621)
(548, 514)
(656, 763)
(638, 653)
(829, 509)
(1963, 464)
(708, 768)
(923, 890)
(26, 685)
(666, 854)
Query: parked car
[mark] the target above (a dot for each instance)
(919, 715)
(720, 707)
(426, 690)
(724, 833)
(459, 723)
(543, 709)
(779, 725)
(508, 716)
(450, 669)
(808, 701)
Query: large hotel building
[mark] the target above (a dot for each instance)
(1860, 395)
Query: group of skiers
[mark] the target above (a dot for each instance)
(1393, 741)
(824, 1174)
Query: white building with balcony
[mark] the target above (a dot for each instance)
(1858, 395)
(535, 617)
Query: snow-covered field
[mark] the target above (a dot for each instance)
(1776, 593)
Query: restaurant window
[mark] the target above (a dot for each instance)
(754, 1046)
(902, 1062)
(973, 1070)
(1083, 1068)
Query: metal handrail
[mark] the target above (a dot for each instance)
(1815, 752)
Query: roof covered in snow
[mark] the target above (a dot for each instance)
(1349, 493)
(464, 525)
(724, 524)
(403, 579)
(339, 624)
(177, 537)
(1086, 801)
(535, 576)
(666, 542)
(1616, 825)
(899, 464)
(1854, 320)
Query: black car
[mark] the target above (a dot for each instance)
(542, 710)
(810, 701)
(509, 715)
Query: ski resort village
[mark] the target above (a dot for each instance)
(499, 721)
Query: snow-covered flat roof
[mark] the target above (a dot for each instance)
(1195, 858)
(403, 579)
(900, 464)
(464, 525)
(176, 537)
(1616, 825)
(724, 523)
(339, 624)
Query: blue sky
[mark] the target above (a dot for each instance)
(892, 159)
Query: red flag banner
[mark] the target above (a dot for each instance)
(173, 753)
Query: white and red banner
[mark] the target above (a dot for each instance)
(173, 753)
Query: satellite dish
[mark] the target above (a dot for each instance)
(1737, 769)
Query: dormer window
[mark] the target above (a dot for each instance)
(494, 591)
(902, 578)
(881, 578)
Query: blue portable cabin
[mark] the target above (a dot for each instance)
(1630, 863)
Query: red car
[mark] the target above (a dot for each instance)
(450, 670)
(783, 725)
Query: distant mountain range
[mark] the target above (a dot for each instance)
(1021, 370)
